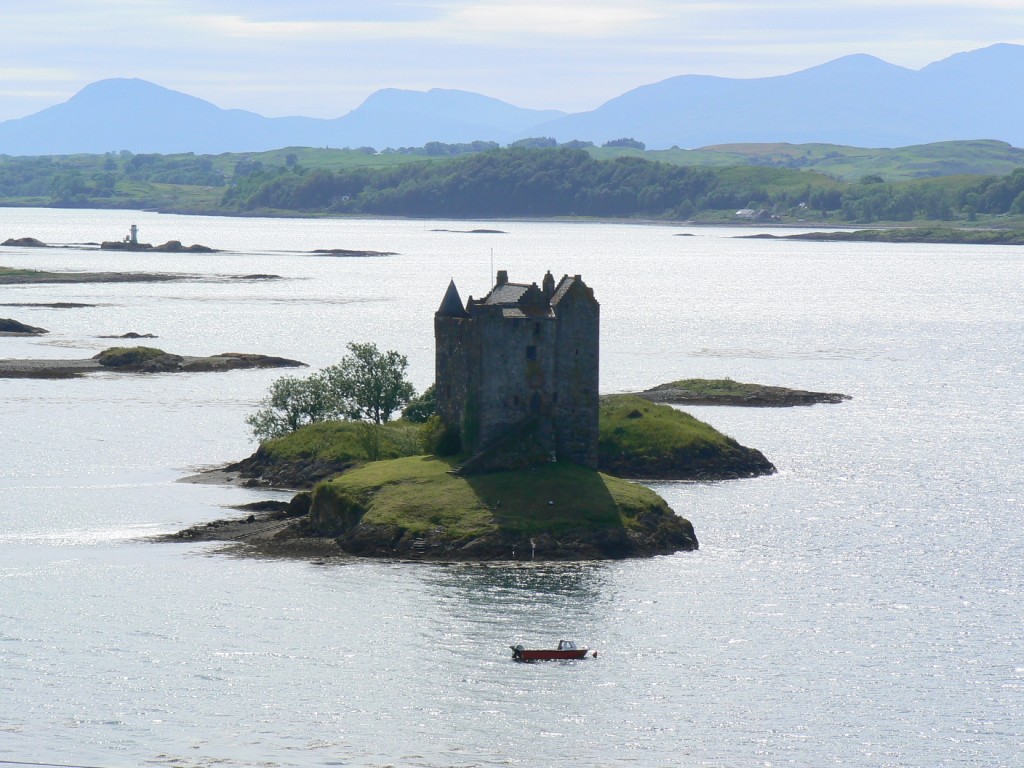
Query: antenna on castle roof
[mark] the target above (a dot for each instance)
(491, 276)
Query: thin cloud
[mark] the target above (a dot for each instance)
(565, 54)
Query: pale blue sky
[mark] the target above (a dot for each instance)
(321, 58)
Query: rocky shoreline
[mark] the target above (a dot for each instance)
(265, 527)
(281, 534)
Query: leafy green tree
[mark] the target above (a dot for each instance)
(368, 385)
(535, 142)
(421, 407)
(629, 143)
(292, 402)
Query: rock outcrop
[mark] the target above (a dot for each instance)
(24, 242)
(9, 327)
(155, 361)
(171, 246)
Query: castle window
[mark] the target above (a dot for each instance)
(535, 403)
(536, 329)
(554, 397)
(531, 353)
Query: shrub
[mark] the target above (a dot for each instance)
(121, 357)
(439, 439)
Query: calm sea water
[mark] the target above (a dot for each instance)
(860, 608)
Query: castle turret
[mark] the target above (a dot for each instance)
(451, 304)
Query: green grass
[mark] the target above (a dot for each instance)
(16, 272)
(663, 437)
(946, 158)
(326, 158)
(634, 426)
(343, 441)
(419, 494)
(714, 387)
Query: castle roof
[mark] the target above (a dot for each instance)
(507, 293)
(569, 285)
(515, 300)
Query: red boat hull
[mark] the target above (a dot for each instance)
(524, 654)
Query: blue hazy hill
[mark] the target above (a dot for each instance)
(856, 100)
(125, 113)
(137, 115)
(400, 118)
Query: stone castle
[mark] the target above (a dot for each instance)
(517, 371)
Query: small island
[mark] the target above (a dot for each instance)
(24, 242)
(138, 360)
(11, 327)
(481, 231)
(350, 253)
(171, 246)
(524, 460)
(15, 276)
(945, 235)
(131, 243)
(729, 392)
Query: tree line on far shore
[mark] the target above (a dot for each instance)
(564, 181)
(521, 180)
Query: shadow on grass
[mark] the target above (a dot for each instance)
(551, 498)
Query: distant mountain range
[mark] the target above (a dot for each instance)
(856, 100)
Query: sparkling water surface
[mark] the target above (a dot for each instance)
(859, 608)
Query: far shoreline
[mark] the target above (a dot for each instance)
(568, 219)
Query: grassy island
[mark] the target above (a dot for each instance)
(729, 392)
(642, 439)
(416, 506)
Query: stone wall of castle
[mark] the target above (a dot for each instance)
(576, 379)
(457, 367)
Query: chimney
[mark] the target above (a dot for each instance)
(549, 285)
(502, 277)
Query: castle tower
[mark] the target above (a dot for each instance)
(522, 356)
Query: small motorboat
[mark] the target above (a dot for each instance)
(566, 650)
